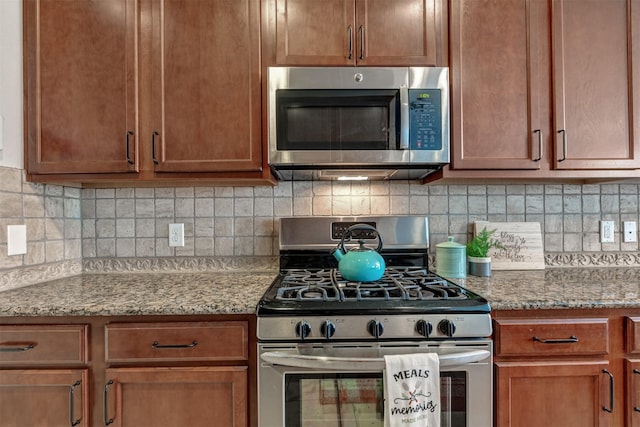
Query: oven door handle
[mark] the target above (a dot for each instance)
(362, 363)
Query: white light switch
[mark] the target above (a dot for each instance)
(17, 239)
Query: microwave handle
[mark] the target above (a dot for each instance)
(363, 363)
(404, 118)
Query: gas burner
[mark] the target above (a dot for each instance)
(405, 283)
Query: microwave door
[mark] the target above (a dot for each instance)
(339, 121)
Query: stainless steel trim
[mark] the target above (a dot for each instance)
(279, 328)
(363, 363)
(404, 118)
(400, 232)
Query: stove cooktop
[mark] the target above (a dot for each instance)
(400, 290)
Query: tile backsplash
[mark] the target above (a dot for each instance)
(67, 225)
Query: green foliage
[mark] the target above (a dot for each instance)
(479, 246)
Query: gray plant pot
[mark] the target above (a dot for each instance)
(479, 266)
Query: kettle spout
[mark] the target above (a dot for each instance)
(337, 253)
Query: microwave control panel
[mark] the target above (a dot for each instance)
(425, 119)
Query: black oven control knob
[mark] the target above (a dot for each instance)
(303, 329)
(327, 329)
(447, 327)
(424, 328)
(375, 328)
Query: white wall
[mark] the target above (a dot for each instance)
(11, 83)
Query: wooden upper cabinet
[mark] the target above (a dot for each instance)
(544, 89)
(80, 86)
(498, 87)
(206, 86)
(596, 76)
(143, 90)
(315, 33)
(358, 32)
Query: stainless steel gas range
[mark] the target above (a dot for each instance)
(322, 339)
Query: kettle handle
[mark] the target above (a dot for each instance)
(347, 235)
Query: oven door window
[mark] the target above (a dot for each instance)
(356, 399)
(337, 119)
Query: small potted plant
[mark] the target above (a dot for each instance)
(478, 259)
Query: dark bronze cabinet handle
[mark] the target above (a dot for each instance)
(105, 402)
(157, 345)
(611, 387)
(154, 135)
(361, 30)
(637, 372)
(71, 407)
(572, 339)
(564, 145)
(539, 132)
(350, 29)
(129, 135)
(16, 349)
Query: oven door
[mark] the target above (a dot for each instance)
(308, 385)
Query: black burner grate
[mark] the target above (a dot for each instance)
(406, 283)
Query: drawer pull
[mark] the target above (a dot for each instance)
(572, 339)
(71, 408)
(611, 387)
(15, 349)
(105, 402)
(637, 372)
(157, 345)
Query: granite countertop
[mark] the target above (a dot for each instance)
(592, 287)
(139, 293)
(114, 294)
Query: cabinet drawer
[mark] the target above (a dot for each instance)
(550, 337)
(43, 344)
(633, 334)
(176, 341)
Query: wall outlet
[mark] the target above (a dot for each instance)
(176, 235)
(630, 231)
(606, 232)
(16, 239)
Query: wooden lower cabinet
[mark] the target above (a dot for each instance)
(44, 397)
(562, 394)
(202, 396)
(566, 367)
(128, 371)
(632, 392)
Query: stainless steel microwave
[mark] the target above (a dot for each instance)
(357, 123)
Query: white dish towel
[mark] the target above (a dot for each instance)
(412, 390)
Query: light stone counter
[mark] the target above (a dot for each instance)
(114, 294)
(139, 293)
(601, 287)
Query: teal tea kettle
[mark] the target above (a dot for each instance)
(360, 264)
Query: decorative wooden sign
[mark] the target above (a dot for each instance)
(522, 245)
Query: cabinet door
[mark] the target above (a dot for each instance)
(194, 397)
(310, 32)
(632, 404)
(596, 57)
(399, 32)
(80, 86)
(567, 394)
(206, 86)
(498, 87)
(39, 397)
